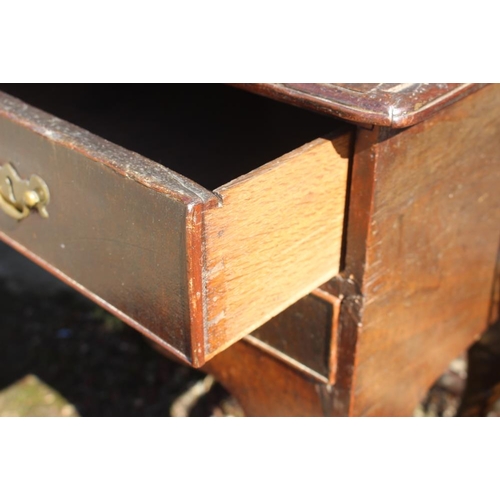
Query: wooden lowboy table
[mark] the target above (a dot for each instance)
(346, 258)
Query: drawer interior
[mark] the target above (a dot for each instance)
(209, 133)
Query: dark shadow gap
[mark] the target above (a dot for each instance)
(210, 133)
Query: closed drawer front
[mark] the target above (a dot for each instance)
(191, 268)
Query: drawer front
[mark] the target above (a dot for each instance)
(118, 226)
(192, 269)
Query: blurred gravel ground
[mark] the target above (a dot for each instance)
(61, 355)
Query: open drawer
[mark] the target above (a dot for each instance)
(192, 268)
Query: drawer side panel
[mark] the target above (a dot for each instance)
(276, 237)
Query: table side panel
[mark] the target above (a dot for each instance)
(432, 247)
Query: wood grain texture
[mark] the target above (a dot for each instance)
(265, 386)
(387, 104)
(303, 332)
(421, 281)
(130, 233)
(276, 236)
(430, 228)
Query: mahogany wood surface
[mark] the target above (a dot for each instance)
(118, 223)
(431, 224)
(387, 104)
(265, 385)
(310, 337)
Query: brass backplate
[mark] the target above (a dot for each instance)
(19, 196)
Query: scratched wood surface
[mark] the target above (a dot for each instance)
(388, 104)
(423, 248)
(118, 223)
(276, 237)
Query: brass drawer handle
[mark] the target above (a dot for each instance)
(18, 196)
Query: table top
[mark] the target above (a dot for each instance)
(395, 105)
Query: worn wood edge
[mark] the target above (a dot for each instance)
(126, 163)
(361, 208)
(92, 296)
(195, 282)
(383, 113)
(333, 359)
(348, 285)
(342, 143)
(280, 93)
(362, 194)
(405, 118)
(335, 303)
(275, 353)
(396, 106)
(339, 136)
